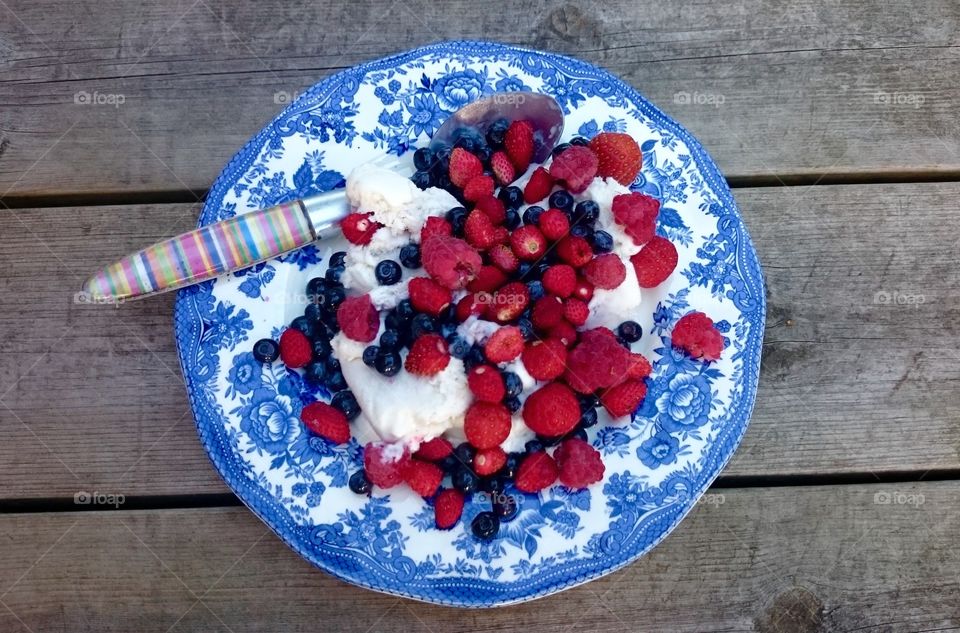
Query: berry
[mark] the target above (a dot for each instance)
(518, 144)
(624, 398)
(588, 418)
(358, 228)
(562, 200)
(694, 333)
(423, 158)
(447, 508)
(637, 213)
(485, 525)
(579, 140)
(528, 243)
(435, 225)
(473, 304)
(358, 319)
(655, 262)
(359, 483)
(511, 196)
(576, 167)
(465, 480)
(601, 241)
(503, 258)
(332, 298)
(388, 363)
(390, 340)
(337, 259)
(488, 279)
(538, 187)
(450, 261)
(564, 333)
(511, 219)
(384, 463)
(547, 312)
(552, 410)
(575, 251)
(536, 289)
(532, 215)
(266, 350)
(410, 256)
(638, 366)
(465, 453)
(545, 360)
(533, 446)
(295, 349)
(583, 290)
(333, 274)
(456, 217)
(326, 421)
(346, 402)
(579, 463)
(464, 167)
(504, 345)
(618, 156)
(554, 224)
(505, 506)
(560, 148)
(486, 383)
(512, 383)
(560, 280)
(489, 460)
(388, 272)
(508, 303)
(321, 347)
(596, 362)
(576, 312)
(434, 450)
(503, 169)
(586, 212)
(478, 188)
(605, 271)
(536, 472)
(459, 348)
(513, 404)
(493, 208)
(479, 230)
(428, 356)
(630, 331)
(422, 324)
(422, 179)
(496, 132)
(428, 296)
(486, 424)
(423, 477)
(303, 324)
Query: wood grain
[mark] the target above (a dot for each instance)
(777, 89)
(769, 560)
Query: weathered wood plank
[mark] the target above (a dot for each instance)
(769, 560)
(776, 88)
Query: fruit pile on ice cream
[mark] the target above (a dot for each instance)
(482, 318)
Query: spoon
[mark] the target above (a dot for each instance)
(251, 238)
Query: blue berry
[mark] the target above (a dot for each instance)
(347, 403)
(485, 525)
(333, 274)
(512, 383)
(315, 373)
(449, 463)
(630, 331)
(588, 419)
(509, 470)
(315, 287)
(586, 212)
(496, 132)
(370, 354)
(512, 197)
(303, 324)
(321, 346)
(422, 324)
(405, 310)
(526, 328)
(464, 480)
(359, 483)
(422, 179)
(601, 241)
(533, 446)
(459, 348)
(314, 314)
(532, 215)
(388, 363)
(266, 350)
(423, 158)
(559, 149)
(474, 357)
(505, 506)
(483, 152)
(410, 256)
(513, 404)
(581, 230)
(562, 200)
(580, 434)
(330, 299)
(336, 381)
(492, 484)
(337, 259)
(388, 272)
(524, 270)
(465, 453)
(511, 219)
(390, 340)
(589, 401)
(579, 140)
(535, 288)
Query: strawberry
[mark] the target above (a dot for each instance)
(504, 345)
(536, 472)
(547, 312)
(503, 258)
(488, 279)
(560, 280)
(554, 224)
(574, 250)
(295, 348)
(358, 319)
(605, 271)
(478, 188)
(655, 262)
(518, 143)
(473, 304)
(575, 166)
(434, 450)
(464, 166)
(435, 225)
(502, 168)
(487, 461)
(545, 360)
(326, 421)
(428, 296)
(575, 311)
(583, 290)
(580, 464)
(384, 463)
(423, 477)
(596, 361)
(538, 187)
(509, 302)
(624, 398)
(493, 207)
(359, 228)
(696, 334)
(486, 424)
(552, 410)
(563, 332)
(428, 355)
(447, 508)
(638, 366)
(528, 243)
(618, 156)
(637, 213)
(501, 235)
(479, 230)
(486, 383)
(450, 261)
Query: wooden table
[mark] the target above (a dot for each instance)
(836, 121)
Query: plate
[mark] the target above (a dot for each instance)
(657, 466)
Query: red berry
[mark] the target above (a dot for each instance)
(563, 332)
(536, 472)
(359, 228)
(547, 312)
(447, 508)
(560, 280)
(503, 258)
(326, 421)
(509, 302)
(295, 348)
(503, 168)
(583, 290)
(493, 208)
(435, 225)
(474, 304)
(450, 261)
(554, 224)
(552, 410)
(575, 311)
(605, 271)
(358, 319)
(574, 250)
(488, 279)
(518, 143)
(486, 383)
(504, 345)
(655, 262)
(486, 424)
(489, 460)
(479, 230)
(624, 398)
(423, 477)
(580, 464)
(596, 361)
(538, 187)
(637, 213)
(478, 188)
(545, 360)
(501, 235)
(576, 166)
(384, 463)
(696, 334)
(638, 366)
(464, 166)
(428, 355)
(434, 450)
(618, 156)
(528, 243)
(428, 296)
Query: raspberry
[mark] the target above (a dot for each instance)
(538, 187)
(489, 460)
(579, 463)
(536, 472)
(605, 271)
(545, 360)
(552, 410)
(447, 508)
(478, 188)
(486, 383)
(326, 421)
(574, 250)
(583, 290)
(464, 166)
(638, 367)
(384, 463)
(423, 477)
(575, 311)
(501, 235)
(623, 399)
(509, 302)
(493, 207)
(637, 213)
(434, 450)
(359, 228)
(428, 355)
(474, 304)
(295, 348)
(655, 262)
(528, 243)
(518, 143)
(695, 334)
(358, 319)
(547, 312)
(596, 362)
(488, 279)
(504, 345)
(618, 156)
(486, 424)
(479, 230)
(502, 168)
(435, 225)
(428, 296)
(503, 258)
(576, 166)
(554, 224)
(563, 332)
(450, 261)
(560, 280)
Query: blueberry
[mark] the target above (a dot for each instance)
(459, 348)
(315, 373)
(524, 270)
(485, 525)
(549, 441)
(532, 215)
(337, 259)
(513, 404)
(448, 463)
(422, 324)
(457, 217)
(390, 340)
(303, 324)
(526, 328)
(511, 219)
(509, 470)
(423, 158)
(588, 419)
(448, 330)
(388, 272)
(394, 322)
(562, 200)
(559, 149)
(505, 506)
(492, 484)
(468, 143)
(533, 446)
(513, 383)
(586, 212)
(580, 434)
(333, 365)
(464, 480)
(404, 310)
(333, 274)
(474, 357)
(630, 331)
(388, 363)
(589, 401)
(314, 314)
(579, 140)
(359, 483)
(496, 132)
(535, 288)
(370, 354)
(465, 454)
(336, 382)
(581, 230)
(422, 179)
(441, 181)
(483, 152)
(410, 256)
(601, 241)
(315, 287)
(321, 346)
(266, 350)
(347, 403)
(512, 197)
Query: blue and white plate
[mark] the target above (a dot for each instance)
(657, 467)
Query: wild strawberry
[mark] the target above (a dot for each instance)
(501, 235)
(552, 410)
(504, 345)
(528, 243)
(574, 250)
(486, 424)
(547, 312)
(450, 261)
(623, 398)
(605, 271)
(434, 450)
(503, 258)
(488, 279)
(384, 463)
(473, 304)
(518, 143)
(596, 361)
(447, 508)
(359, 228)
(428, 296)
(637, 213)
(655, 262)
(486, 383)
(295, 348)
(575, 166)
(435, 225)
(428, 355)
(464, 166)
(696, 334)
(580, 464)
(563, 332)
(560, 280)
(618, 156)
(479, 230)
(554, 224)
(583, 290)
(545, 360)
(538, 187)
(423, 477)
(326, 421)
(536, 472)
(358, 319)
(575, 311)
(489, 460)
(509, 302)
(493, 207)
(502, 168)
(478, 188)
